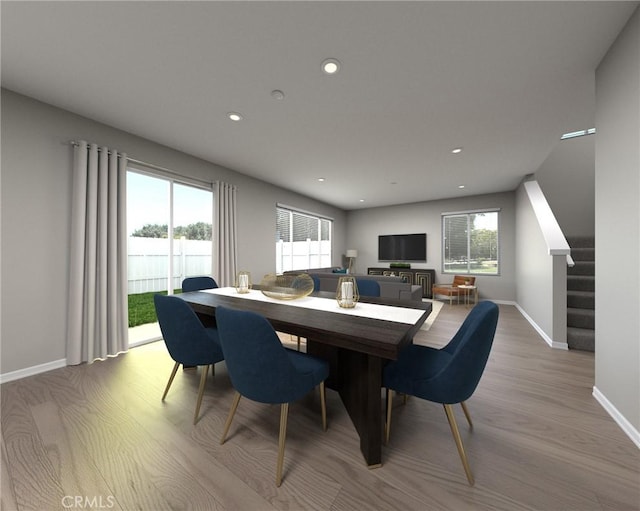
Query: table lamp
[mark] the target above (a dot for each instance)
(351, 255)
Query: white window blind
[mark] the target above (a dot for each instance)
(303, 240)
(470, 243)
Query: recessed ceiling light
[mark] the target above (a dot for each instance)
(361, 200)
(457, 150)
(321, 179)
(461, 187)
(331, 66)
(277, 94)
(234, 116)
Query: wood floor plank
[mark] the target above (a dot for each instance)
(8, 500)
(540, 441)
(75, 470)
(34, 481)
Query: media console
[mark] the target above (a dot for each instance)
(416, 277)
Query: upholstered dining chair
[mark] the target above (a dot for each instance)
(263, 370)
(451, 290)
(449, 375)
(198, 284)
(368, 287)
(187, 340)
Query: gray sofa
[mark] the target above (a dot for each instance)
(390, 287)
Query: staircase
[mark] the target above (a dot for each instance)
(581, 295)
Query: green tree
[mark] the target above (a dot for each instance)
(484, 244)
(151, 231)
(197, 231)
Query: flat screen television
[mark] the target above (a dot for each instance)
(402, 247)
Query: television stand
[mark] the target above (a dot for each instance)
(413, 276)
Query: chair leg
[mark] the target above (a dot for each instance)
(297, 339)
(466, 413)
(203, 379)
(448, 409)
(387, 425)
(323, 405)
(227, 425)
(284, 411)
(173, 375)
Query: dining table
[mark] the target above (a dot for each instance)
(357, 342)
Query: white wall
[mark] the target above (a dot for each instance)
(365, 225)
(567, 178)
(541, 278)
(617, 177)
(35, 200)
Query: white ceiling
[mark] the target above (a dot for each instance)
(502, 79)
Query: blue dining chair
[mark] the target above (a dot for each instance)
(263, 370)
(449, 375)
(187, 340)
(368, 287)
(198, 284)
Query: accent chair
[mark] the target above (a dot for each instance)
(368, 287)
(188, 341)
(263, 370)
(449, 375)
(451, 290)
(198, 284)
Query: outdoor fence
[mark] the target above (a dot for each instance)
(148, 262)
(300, 255)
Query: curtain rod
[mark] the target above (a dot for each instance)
(152, 166)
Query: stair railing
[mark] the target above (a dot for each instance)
(542, 290)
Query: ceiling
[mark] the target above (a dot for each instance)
(503, 80)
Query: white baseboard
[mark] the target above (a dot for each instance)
(620, 419)
(56, 364)
(30, 371)
(547, 339)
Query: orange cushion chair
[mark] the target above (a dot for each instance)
(452, 289)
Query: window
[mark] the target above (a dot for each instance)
(169, 227)
(303, 240)
(470, 243)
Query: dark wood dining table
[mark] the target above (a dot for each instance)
(356, 348)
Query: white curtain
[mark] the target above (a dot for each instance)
(224, 235)
(97, 323)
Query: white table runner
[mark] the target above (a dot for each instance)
(366, 310)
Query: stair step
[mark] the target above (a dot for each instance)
(581, 241)
(581, 318)
(581, 339)
(583, 254)
(581, 299)
(581, 283)
(581, 294)
(582, 268)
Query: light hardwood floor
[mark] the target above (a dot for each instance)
(100, 434)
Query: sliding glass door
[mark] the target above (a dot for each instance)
(169, 226)
(192, 230)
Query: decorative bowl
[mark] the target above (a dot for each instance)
(287, 287)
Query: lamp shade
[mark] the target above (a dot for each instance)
(352, 253)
